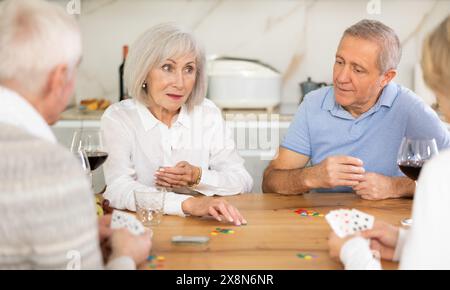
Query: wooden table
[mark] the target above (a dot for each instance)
(274, 236)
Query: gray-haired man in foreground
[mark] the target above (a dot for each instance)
(48, 219)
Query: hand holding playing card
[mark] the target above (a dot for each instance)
(137, 247)
(345, 224)
(384, 238)
(335, 244)
(124, 220)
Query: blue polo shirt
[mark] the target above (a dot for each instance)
(323, 128)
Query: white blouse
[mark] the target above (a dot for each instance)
(426, 244)
(138, 144)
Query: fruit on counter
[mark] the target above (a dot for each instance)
(95, 104)
(100, 211)
(103, 104)
(98, 206)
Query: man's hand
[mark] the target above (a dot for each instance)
(124, 243)
(182, 175)
(336, 171)
(376, 187)
(216, 207)
(104, 233)
(104, 227)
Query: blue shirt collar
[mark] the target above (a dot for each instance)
(387, 98)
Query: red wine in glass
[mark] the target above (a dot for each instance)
(96, 159)
(412, 155)
(411, 168)
(91, 142)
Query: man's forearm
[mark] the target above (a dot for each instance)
(287, 181)
(404, 186)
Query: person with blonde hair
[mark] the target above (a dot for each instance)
(48, 217)
(168, 135)
(426, 244)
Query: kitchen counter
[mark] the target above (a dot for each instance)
(285, 113)
(73, 114)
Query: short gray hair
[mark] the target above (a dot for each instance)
(390, 49)
(35, 37)
(152, 48)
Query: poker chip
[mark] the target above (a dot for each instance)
(155, 262)
(304, 212)
(222, 231)
(306, 256)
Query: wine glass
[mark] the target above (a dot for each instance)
(91, 142)
(412, 155)
(84, 162)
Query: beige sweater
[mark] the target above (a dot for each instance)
(47, 211)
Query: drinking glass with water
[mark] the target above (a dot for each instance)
(150, 205)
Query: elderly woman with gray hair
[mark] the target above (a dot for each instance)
(426, 244)
(169, 135)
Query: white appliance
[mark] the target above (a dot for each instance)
(238, 83)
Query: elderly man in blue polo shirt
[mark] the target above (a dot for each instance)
(351, 132)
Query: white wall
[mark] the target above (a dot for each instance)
(298, 37)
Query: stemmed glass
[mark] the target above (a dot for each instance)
(412, 155)
(90, 141)
(84, 162)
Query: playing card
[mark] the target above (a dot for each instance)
(361, 221)
(346, 222)
(334, 218)
(124, 220)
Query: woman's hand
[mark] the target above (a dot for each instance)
(216, 207)
(182, 175)
(384, 238)
(336, 243)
